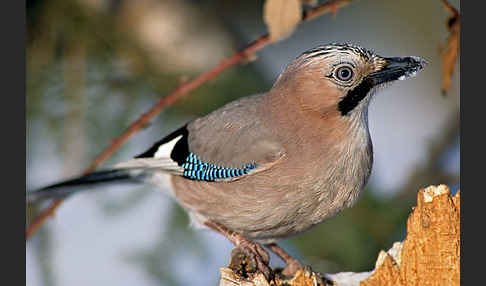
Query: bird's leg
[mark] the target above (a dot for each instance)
(292, 264)
(254, 251)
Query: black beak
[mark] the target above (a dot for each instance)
(397, 69)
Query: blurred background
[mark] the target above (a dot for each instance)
(94, 66)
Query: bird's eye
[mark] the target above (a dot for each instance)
(344, 73)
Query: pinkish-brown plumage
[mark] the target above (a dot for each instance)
(272, 165)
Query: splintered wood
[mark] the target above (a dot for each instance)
(301, 278)
(431, 252)
(429, 255)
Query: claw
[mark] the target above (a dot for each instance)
(292, 267)
(250, 258)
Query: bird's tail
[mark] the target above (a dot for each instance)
(84, 183)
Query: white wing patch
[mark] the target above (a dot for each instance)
(165, 149)
(161, 160)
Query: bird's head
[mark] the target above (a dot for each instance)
(340, 78)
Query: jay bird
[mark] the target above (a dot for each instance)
(270, 165)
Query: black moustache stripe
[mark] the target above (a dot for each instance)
(354, 96)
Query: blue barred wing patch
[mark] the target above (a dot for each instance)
(196, 169)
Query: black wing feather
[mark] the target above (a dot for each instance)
(180, 151)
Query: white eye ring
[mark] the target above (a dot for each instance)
(344, 73)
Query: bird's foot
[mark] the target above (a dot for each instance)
(293, 266)
(249, 257)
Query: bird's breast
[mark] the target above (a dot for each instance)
(307, 186)
(339, 176)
